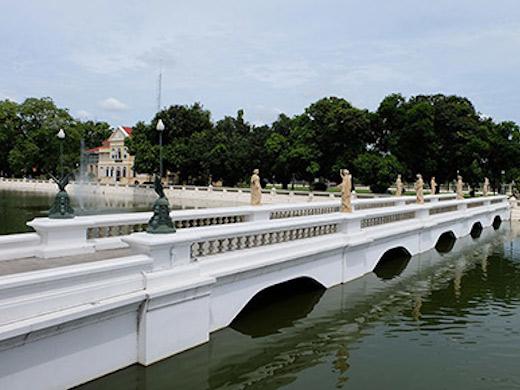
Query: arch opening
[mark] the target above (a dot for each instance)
(476, 230)
(278, 307)
(497, 221)
(392, 263)
(445, 242)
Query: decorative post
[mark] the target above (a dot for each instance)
(161, 222)
(61, 208)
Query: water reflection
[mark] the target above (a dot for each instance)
(449, 320)
(279, 307)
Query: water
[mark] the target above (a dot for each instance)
(17, 207)
(435, 321)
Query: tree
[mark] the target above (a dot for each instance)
(340, 134)
(377, 171)
(182, 126)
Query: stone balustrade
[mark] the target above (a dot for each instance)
(86, 234)
(193, 244)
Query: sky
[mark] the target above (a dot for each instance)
(101, 59)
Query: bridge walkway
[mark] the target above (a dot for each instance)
(28, 264)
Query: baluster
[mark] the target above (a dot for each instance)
(194, 249)
(233, 244)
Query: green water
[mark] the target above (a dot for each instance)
(435, 321)
(17, 208)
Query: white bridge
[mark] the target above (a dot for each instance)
(132, 297)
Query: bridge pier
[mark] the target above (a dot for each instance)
(175, 315)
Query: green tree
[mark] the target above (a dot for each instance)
(376, 170)
(182, 126)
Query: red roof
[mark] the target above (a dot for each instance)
(93, 150)
(128, 130)
(107, 142)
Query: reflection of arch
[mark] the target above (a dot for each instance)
(278, 306)
(497, 221)
(392, 263)
(445, 242)
(476, 230)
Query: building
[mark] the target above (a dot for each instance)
(111, 161)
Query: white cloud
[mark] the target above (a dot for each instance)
(112, 104)
(84, 115)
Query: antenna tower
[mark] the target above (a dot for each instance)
(159, 89)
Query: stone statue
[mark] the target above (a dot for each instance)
(346, 191)
(459, 187)
(418, 187)
(256, 189)
(159, 189)
(486, 187)
(433, 185)
(398, 186)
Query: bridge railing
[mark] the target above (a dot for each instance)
(86, 234)
(197, 244)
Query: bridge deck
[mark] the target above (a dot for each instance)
(9, 267)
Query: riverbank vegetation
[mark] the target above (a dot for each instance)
(435, 135)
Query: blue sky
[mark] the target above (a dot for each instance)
(101, 58)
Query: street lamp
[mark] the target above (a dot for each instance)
(160, 129)
(161, 222)
(61, 207)
(61, 136)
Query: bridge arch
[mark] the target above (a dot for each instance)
(278, 306)
(476, 230)
(392, 263)
(445, 242)
(497, 221)
(230, 299)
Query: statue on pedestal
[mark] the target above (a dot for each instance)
(346, 191)
(256, 189)
(486, 187)
(161, 221)
(61, 208)
(418, 187)
(398, 186)
(433, 185)
(459, 187)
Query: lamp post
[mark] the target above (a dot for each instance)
(503, 184)
(160, 129)
(161, 222)
(61, 136)
(61, 208)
